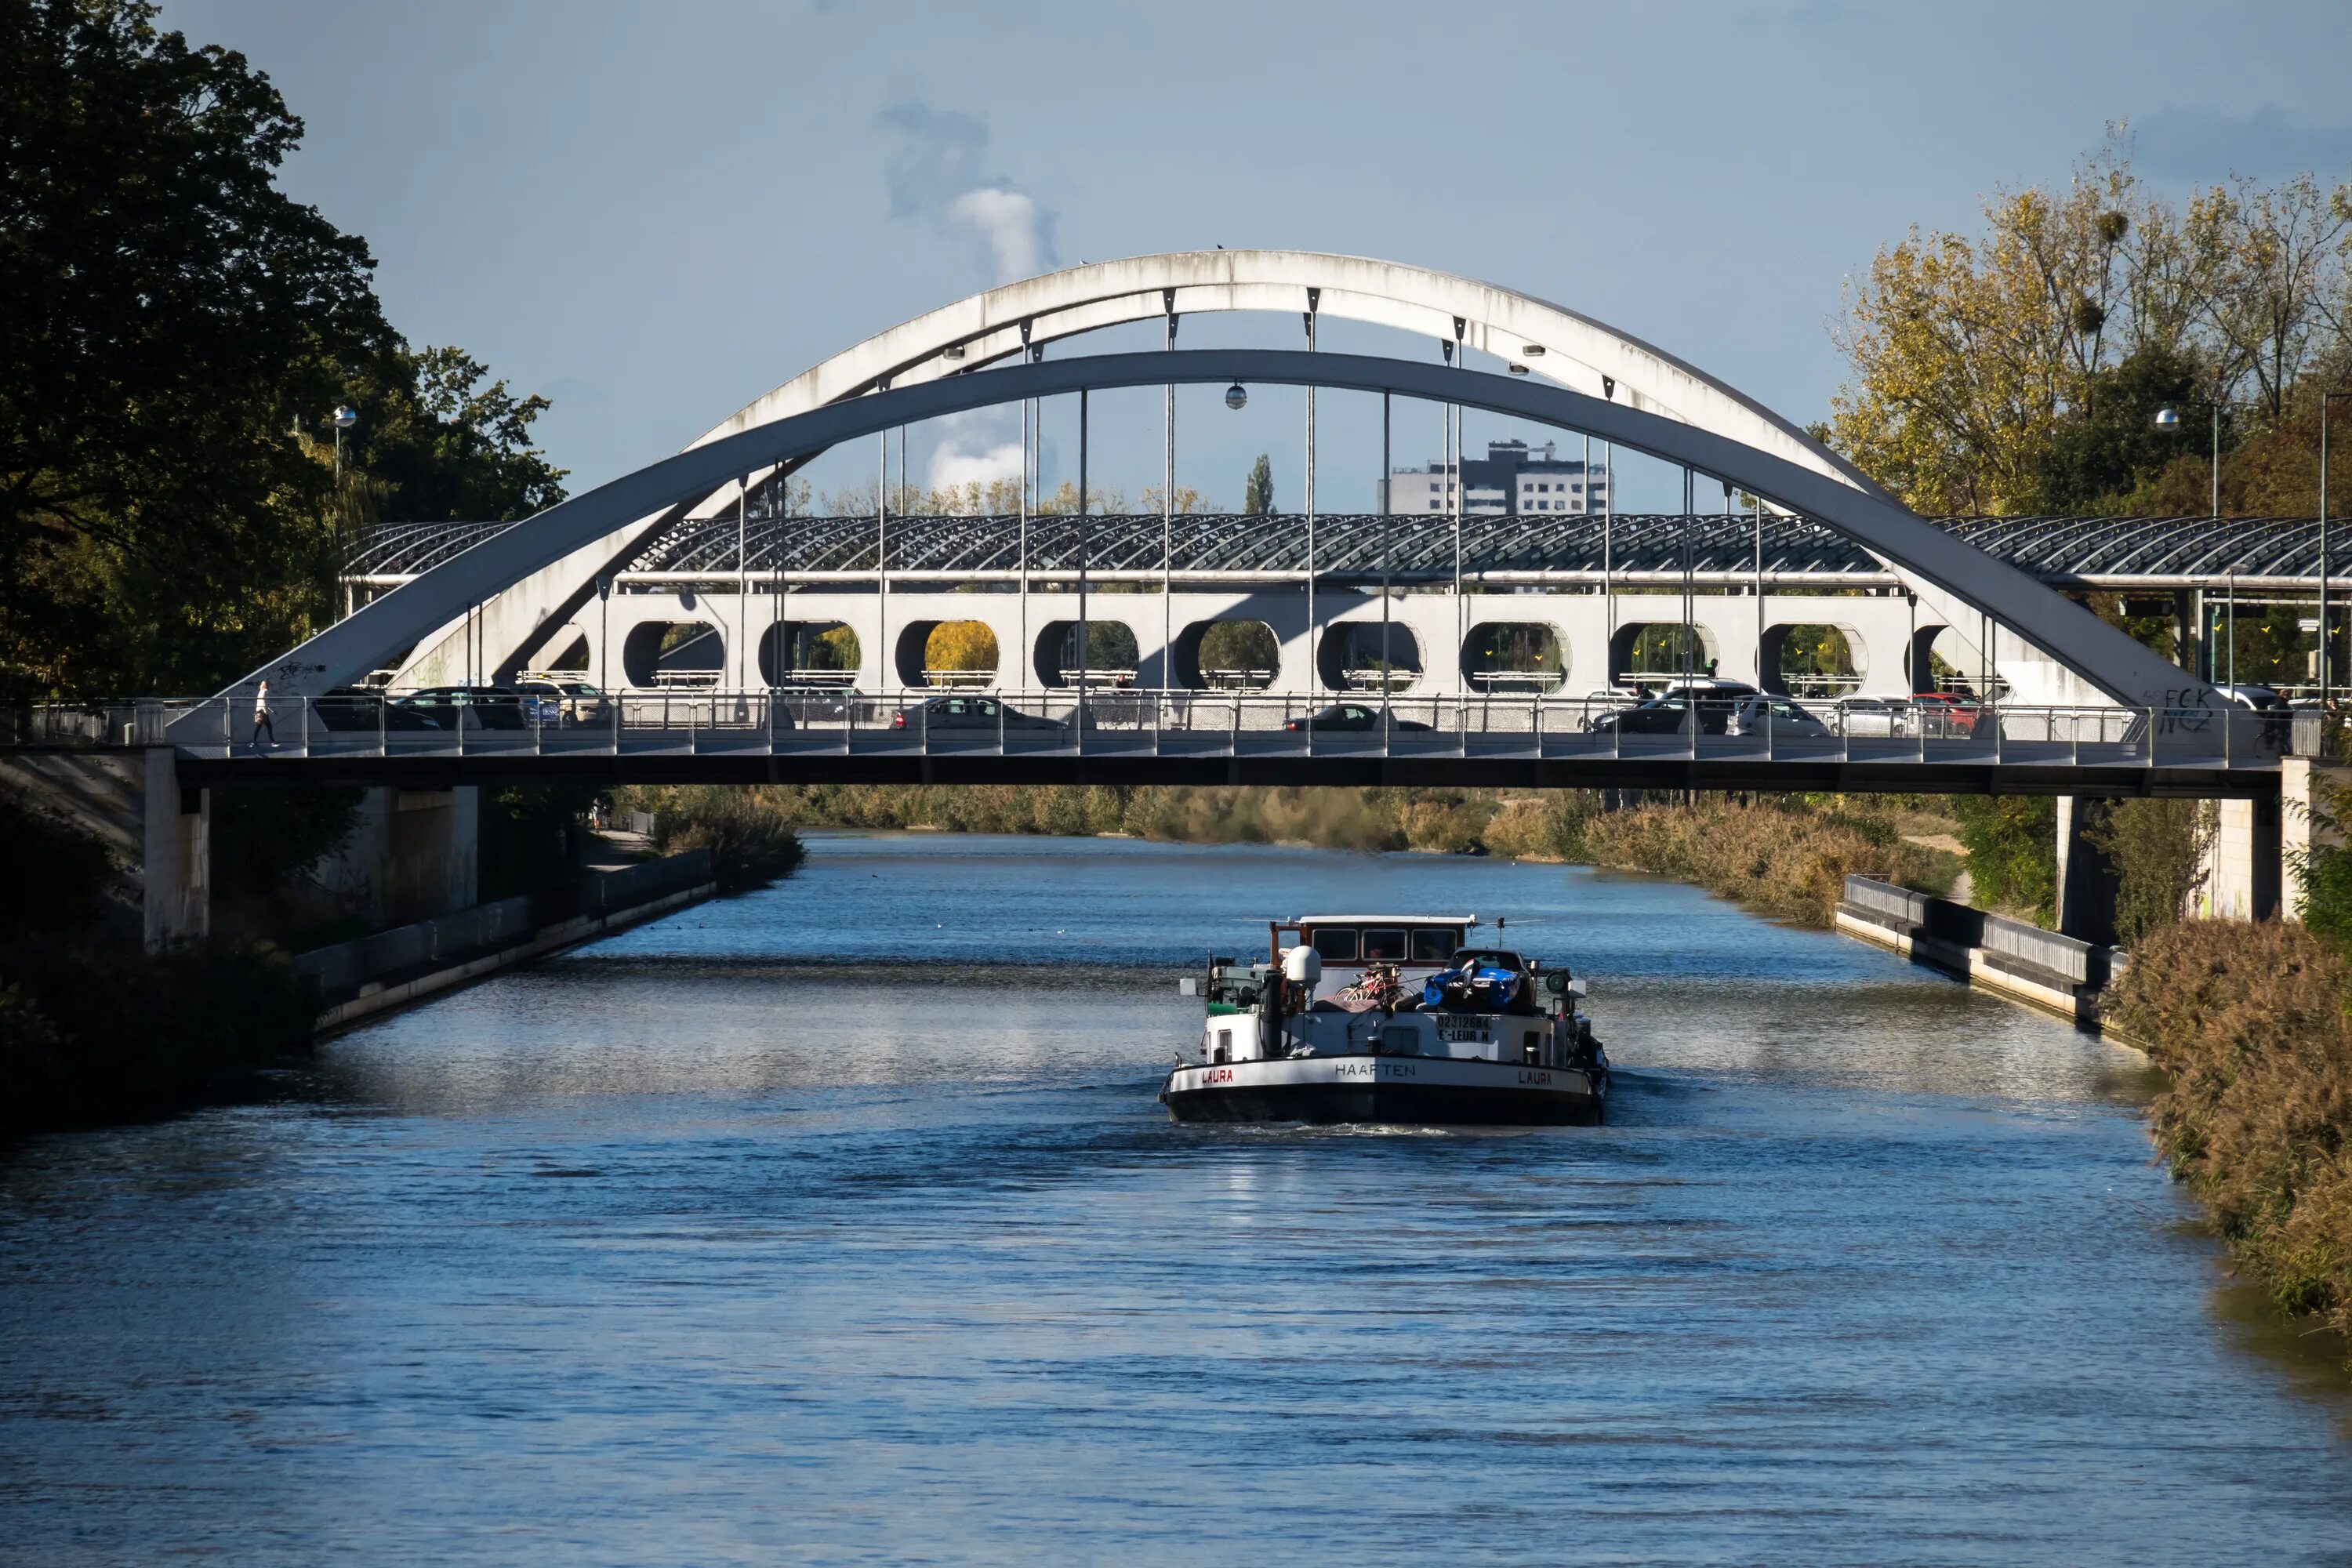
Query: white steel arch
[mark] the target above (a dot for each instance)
(2071, 652)
(1553, 342)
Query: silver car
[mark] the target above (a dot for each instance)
(1764, 715)
(1874, 716)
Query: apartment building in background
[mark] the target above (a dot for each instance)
(1511, 477)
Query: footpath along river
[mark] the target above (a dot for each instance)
(839, 1223)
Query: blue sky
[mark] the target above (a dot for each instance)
(652, 213)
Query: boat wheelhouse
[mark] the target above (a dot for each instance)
(1390, 1018)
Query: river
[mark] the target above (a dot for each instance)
(839, 1223)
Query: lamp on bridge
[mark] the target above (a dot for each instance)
(344, 417)
(2167, 419)
(1236, 395)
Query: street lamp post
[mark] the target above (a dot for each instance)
(345, 416)
(2167, 419)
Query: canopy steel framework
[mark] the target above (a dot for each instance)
(2119, 552)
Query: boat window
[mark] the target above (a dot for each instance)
(1337, 944)
(1433, 944)
(1384, 945)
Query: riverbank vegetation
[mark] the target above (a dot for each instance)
(2251, 1024)
(749, 832)
(1784, 855)
(91, 1026)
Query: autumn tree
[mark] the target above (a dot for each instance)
(2019, 369)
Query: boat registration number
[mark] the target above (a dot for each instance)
(1465, 1031)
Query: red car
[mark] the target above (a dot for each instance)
(1945, 713)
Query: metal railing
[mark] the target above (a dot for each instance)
(1194, 723)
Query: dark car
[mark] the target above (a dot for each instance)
(483, 707)
(1667, 715)
(966, 713)
(1353, 716)
(360, 708)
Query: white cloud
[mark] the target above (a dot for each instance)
(1011, 224)
(938, 173)
(952, 466)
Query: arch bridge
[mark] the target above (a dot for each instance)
(695, 544)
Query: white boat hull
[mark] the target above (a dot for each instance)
(1440, 1090)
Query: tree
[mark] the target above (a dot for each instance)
(960, 645)
(434, 443)
(171, 314)
(1257, 491)
(2092, 462)
(2020, 369)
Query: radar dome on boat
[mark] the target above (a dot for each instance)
(1302, 965)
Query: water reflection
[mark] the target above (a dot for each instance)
(840, 1222)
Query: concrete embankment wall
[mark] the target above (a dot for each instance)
(392, 968)
(2058, 973)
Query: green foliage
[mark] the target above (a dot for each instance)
(175, 335)
(90, 1024)
(2323, 873)
(2157, 847)
(57, 873)
(747, 831)
(529, 836)
(2021, 367)
(2112, 445)
(267, 836)
(1257, 491)
(435, 443)
(2013, 845)
(171, 314)
(91, 1027)
(1239, 645)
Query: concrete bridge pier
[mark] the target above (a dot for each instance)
(2243, 874)
(416, 855)
(176, 866)
(2086, 876)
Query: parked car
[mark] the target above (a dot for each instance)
(559, 698)
(2278, 713)
(469, 707)
(1944, 714)
(1602, 698)
(360, 708)
(944, 714)
(1669, 715)
(1872, 716)
(2257, 697)
(1353, 716)
(1775, 716)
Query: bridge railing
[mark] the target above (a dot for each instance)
(1190, 724)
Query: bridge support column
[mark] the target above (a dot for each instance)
(2087, 879)
(176, 891)
(423, 848)
(2308, 796)
(2244, 870)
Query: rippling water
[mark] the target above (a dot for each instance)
(839, 1223)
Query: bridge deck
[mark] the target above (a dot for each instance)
(1123, 736)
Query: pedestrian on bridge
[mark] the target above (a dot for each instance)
(261, 718)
